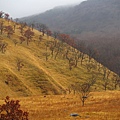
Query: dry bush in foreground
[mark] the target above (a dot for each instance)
(11, 110)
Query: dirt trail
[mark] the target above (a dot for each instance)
(22, 80)
(53, 81)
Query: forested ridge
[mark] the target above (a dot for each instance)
(94, 22)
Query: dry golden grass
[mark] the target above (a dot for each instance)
(99, 106)
(38, 76)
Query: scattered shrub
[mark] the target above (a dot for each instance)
(11, 110)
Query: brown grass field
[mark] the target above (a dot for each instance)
(99, 106)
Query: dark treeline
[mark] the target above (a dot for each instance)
(105, 50)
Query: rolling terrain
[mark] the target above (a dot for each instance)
(96, 22)
(32, 69)
(35, 72)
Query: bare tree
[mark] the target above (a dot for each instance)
(22, 39)
(90, 66)
(49, 33)
(14, 26)
(28, 34)
(105, 84)
(72, 87)
(8, 79)
(9, 30)
(52, 48)
(19, 64)
(57, 49)
(104, 71)
(3, 46)
(46, 54)
(32, 26)
(71, 63)
(55, 35)
(92, 53)
(1, 27)
(15, 42)
(85, 88)
(42, 28)
(84, 91)
(116, 81)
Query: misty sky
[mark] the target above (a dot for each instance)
(21, 8)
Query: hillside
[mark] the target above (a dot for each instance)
(96, 22)
(30, 67)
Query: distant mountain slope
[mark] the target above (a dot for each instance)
(40, 67)
(96, 22)
(54, 16)
(91, 15)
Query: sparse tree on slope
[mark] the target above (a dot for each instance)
(28, 34)
(84, 91)
(3, 46)
(9, 30)
(1, 27)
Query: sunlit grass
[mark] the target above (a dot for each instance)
(38, 76)
(99, 106)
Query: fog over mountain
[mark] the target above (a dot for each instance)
(90, 15)
(21, 8)
(96, 22)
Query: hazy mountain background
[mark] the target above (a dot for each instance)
(96, 22)
(91, 15)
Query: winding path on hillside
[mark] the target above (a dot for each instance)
(53, 81)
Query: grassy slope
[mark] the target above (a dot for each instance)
(38, 76)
